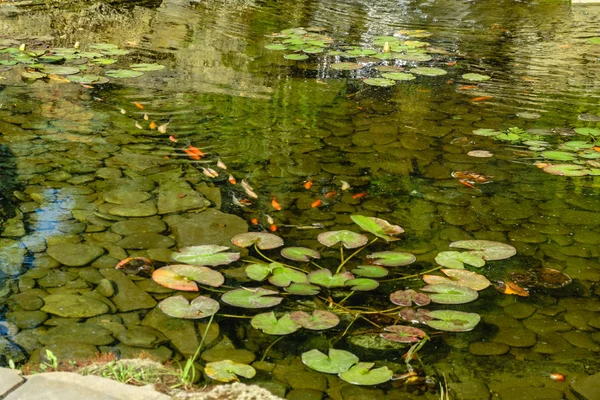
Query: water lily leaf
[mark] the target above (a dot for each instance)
(346, 66)
(450, 294)
(576, 145)
(264, 241)
(32, 75)
(403, 334)
(381, 82)
(457, 260)
(392, 258)
(324, 277)
(399, 76)
(50, 59)
(8, 62)
(349, 239)
(227, 371)
(337, 362)
(115, 52)
(179, 307)
(428, 71)
(60, 70)
(486, 132)
(303, 289)
(407, 297)
(251, 298)
(284, 276)
(370, 271)
(362, 284)
(488, 249)
(413, 57)
(378, 227)
(420, 316)
(300, 253)
(269, 324)
(319, 319)
(123, 73)
(362, 374)
(476, 77)
(453, 321)
(362, 52)
(295, 57)
(459, 277)
(182, 277)
(104, 46)
(205, 255)
(313, 49)
(88, 79)
(558, 155)
(565, 170)
(594, 40)
(259, 272)
(147, 67)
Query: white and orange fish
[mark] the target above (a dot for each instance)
(211, 173)
(248, 189)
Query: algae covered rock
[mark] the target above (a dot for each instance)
(74, 254)
(73, 306)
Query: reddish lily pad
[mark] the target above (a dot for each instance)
(392, 258)
(179, 307)
(284, 276)
(319, 319)
(349, 239)
(228, 371)
(269, 324)
(362, 284)
(205, 255)
(303, 289)
(459, 277)
(453, 321)
(300, 253)
(337, 362)
(324, 277)
(406, 298)
(450, 294)
(182, 277)
(457, 259)
(263, 241)
(251, 298)
(378, 227)
(420, 316)
(370, 271)
(362, 374)
(403, 334)
(488, 249)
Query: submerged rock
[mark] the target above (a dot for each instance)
(74, 255)
(178, 196)
(73, 306)
(12, 256)
(128, 296)
(78, 333)
(209, 227)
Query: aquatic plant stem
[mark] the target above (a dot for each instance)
(262, 255)
(413, 275)
(341, 256)
(316, 265)
(273, 261)
(270, 346)
(348, 327)
(189, 364)
(353, 254)
(345, 298)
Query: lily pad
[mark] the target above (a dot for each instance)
(403, 334)
(303, 289)
(392, 258)
(488, 249)
(349, 239)
(295, 57)
(205, 255)
(182, 277)
(123, 73)
(263, 241)
(457, 260)
(428, 71)
(284, 276)
(399, 76)
(594, 40)
(269, 324)
(476, 77)
(370, 271)
(565, 170)
(33, 75)
(179, 307)
(251, 298)
(147, 67)
(362, 284)
(276, 46)
(228, 371)
(420, 316)
(88, 79)
(381, 82)
(313, 50)
(104, 46)
(259, 272)
(346, 66)
(419, 57)
(300, 253)
(319, 319)
(453, 321)
(558, 155)
(407, 297)
(486, 132)
(362, 374)
(338, 361)
(378, 227)
(459, 277)
(361, 52)
(60, 70)
(450, 294)
(324, 277)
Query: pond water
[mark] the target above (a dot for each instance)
(85, 166)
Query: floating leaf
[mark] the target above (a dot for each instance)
(459, 277)
(284, 276)
(456, 259)
(319, 319)
(115, 52)
(403, 334)
(362, 374)
(488, 249)
(263, 241)
(370, 271)
(594, 40)
(420, 316)
(392, 258)
(259, 272)
(303, 289)
(295, 57)
(378, 227)
(565, 169)
(337, 362)
(349, 239)
(450, 294)
(32, 75)
(123, 73)
(406, 298)
(453, 321)
(399, 76)
(251, 298)
(182, 277)
(227, 371)
(346, 66)
(486, 132)
(179, 307)
(558, 155)
(205, 255)
(60, 70)
(324, 277)
(381, 82)
(361, 52)
(88, 79)
(147, 67)
(428, 71)
(104, 46)
(362, 284)
(269, 324)
(476, 77)
(313, 50)
(300, 253)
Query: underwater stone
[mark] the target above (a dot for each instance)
(180, 332)
(74, 255)
(14, 227)
(551, 343)
(488, 348)
(587, 388)
(120, 196)
(520, 310)
(65, 351)
(177, 196)
(147, 240)
(516, 337)
(144, 209)
(27, 301)
(128, 296)
(305, 394)
(105, 288)
(581, 340)
(161, 354)
(579, 318)
(141, 336)
(541, 324)
(78, 333)
(34, 243)
(297, 376)
(209, 227)
(139, 225)
(12, 256)
(242, 356)
(10, 351)
(27, 319)
(73, 306)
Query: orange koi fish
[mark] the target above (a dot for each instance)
(275, 204)
(273, 228)
(173, 138)
(359, 195)
(232, 180)
(308, 184)
(317, 203)
(330, 195)
(482, 98)
(254, 221)
(467, 183)
(467, 87)
(138, 105)
(153, 125)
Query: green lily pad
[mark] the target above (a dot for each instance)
(459, 277)
(392, 258)
(346, 66)
(263, 241)
(269, 324)
(284, 276)
(476, 77)
(303, 254)
(104, 46)
(428, 71)
(566, 170)
(450, 294)
(457, 260)
(303, 289)
(381, 82)
(488, 249)
(205, 255)
(349, 239)
(8, 62)
(403, 334)
(88, 79)
(313, 50)
(51, 59)
(33, 75)
(337, 362)
(295, 57)
(60, 70)
(594, 40)
(362, 52)
(486, 132)
(576, 145)
(589, 154)
(362, 374)
(319, 319)
(420, 57)
(182, 277)
(406, 298)
(508, 137)
(362, 284)
(228, 371)
(325, 278)
(370, 271)
(251, 298)
(558, 155)
(399, 76)
(179, 307)
(259, 272)
(123, 73)
(147, 67)
(378, 227)
(115, 52)
(453, 321)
